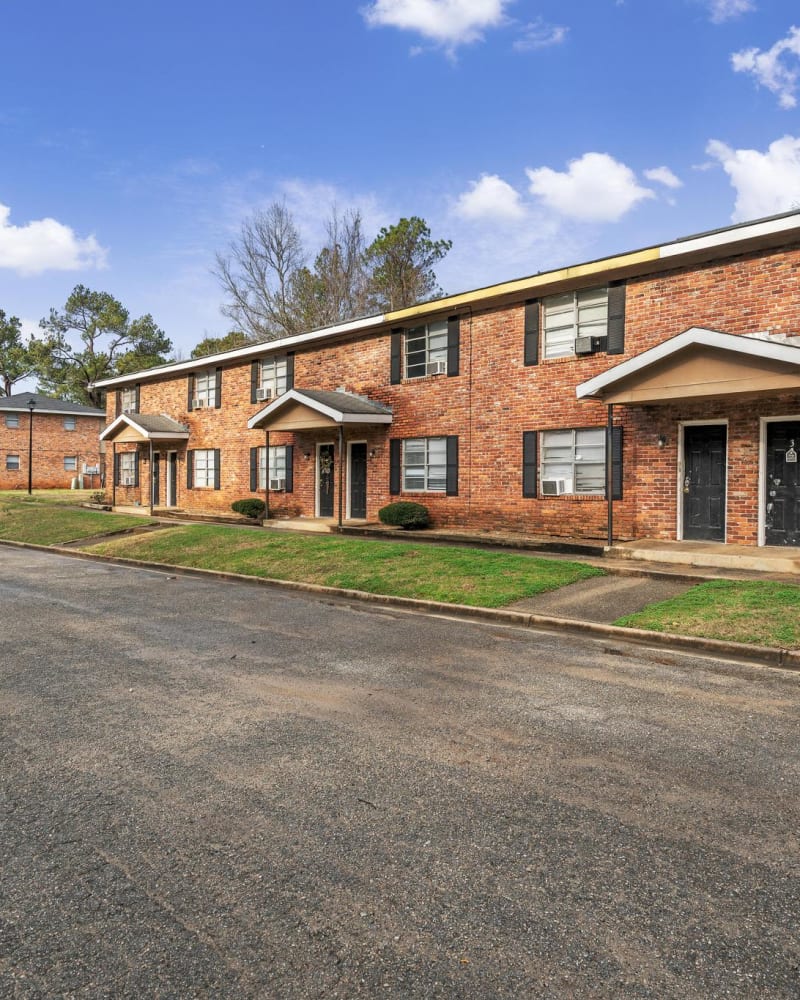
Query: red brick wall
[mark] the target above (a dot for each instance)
(51, 443)
(495, 398)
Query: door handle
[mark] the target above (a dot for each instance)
(687, 482)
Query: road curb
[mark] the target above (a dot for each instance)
(785, 659)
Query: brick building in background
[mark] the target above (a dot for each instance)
(656, 393)
(64, 440)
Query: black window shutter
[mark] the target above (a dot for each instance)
(452, 466)
(616, 463)
(530, 441)
(253, 470)
(395, 452)
(616, 318)
(255, 378)
(190, 469)
(118, 403)
(190, 393)
(116, 468)
(289, 468)
(136, 468)
(216, 468)
(137, 390)
(290, 371)
(218, 388)
(532, 332)
(453, 344)
(397, 358)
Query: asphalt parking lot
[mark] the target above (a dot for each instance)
(219, 790)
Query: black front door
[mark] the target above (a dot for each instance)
(172, 479)
(782, 508)
(155, 472)
(705, 454)
(325, 461)
(358, 479)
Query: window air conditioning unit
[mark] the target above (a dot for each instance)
(198, 404)
(128, 480)
(436, 368)
(91, 470)
(277, 484)
(599, 344)
(583, 345)
(265, 392)
(555, 487)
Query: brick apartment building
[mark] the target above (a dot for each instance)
(62, 439)
(653, 394)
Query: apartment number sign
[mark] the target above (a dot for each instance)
(791, 454)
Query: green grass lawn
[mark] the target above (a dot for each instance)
(454, 575)
(760, 612)
(48, 518)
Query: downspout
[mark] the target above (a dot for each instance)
(341, 469)
(152, 494)
(610, 473)
(266, 474)
(113, 473)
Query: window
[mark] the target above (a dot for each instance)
(425, 464)
(70, 463)
(12, 463)
(12, 420)
(273, 377)
(426, 350)
(576, 314)
(576, 459)
(69, 423)
(205, 467)
(205, 390)
(127, 468)
(128, 400)
(277, 465)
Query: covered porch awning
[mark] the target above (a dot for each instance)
(315, 409)
(138, 427)
(699, 364)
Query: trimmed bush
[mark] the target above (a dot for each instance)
(250, 507)
(405, 514)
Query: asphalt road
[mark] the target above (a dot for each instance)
(217, 790)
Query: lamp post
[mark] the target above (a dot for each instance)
(31, 405)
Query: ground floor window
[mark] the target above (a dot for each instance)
(127, 468)
(12, 463)
(70, 463)
(573, 461)
(205, 467)
(425, 464)
(276, 472)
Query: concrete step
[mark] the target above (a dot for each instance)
(712, 555)
(323, 525)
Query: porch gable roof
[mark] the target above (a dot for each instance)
(145, 427)
(309, 408)
(699, 363)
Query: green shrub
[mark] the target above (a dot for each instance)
(405, 514)
(250, 507)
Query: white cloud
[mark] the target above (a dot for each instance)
(595, 188)
(663, 175)
(490, 198)
(724, 10)
(45, 245)
(539, 35)
(765, 183)
(770, 69)
(448, 23)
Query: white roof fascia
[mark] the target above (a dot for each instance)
(696, 336)
(293, 395)
(726, 237)
(126, 418)
(100, 415)
(251, 351)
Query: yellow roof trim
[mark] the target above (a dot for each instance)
(526, 285)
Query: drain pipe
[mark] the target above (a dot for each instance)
(266, 475)
(341, 469)
(610, 473)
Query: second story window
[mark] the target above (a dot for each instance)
(567, 317)
(12, 420)
(273, 378)
(425, 350)
(205, 390)
(129, 400)
(70, 423)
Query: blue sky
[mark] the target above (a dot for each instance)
(134, 138)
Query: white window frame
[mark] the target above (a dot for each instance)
(274, 375)
(573, 466)
(70, 463)
(12, 421)
(127, 400)
(70, 423)
(10, 466)
(428, 475)
(429, 343)
(205, 388)
(564, 321)
(204, 472)
(277, 464)
(127, 466)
